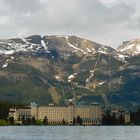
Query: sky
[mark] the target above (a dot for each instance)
(109, 22)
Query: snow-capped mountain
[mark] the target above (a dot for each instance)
(14, 45)
(67, 44)
(52, 46)
(56, 68)
(131, 47)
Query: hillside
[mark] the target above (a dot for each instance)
(48, 69)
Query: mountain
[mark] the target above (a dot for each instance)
(48, 69)
(131, 47)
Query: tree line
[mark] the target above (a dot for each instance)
(135, 117)
(5, 107)
(4, 111)
(109, 119)
(33, 121)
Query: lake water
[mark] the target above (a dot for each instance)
(70, 133)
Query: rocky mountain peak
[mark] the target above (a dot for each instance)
(131, 47)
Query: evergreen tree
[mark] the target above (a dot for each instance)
(28, 121)
(121, 119)
(33, 121)
(45, 121)
(74, 121)
(107, 119)
(23, 120)
(11, 120)
(63, 122)
(114, 119)
(79, 120)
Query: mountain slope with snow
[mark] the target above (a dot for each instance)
(131, 47)
(33, 43)
(56, 68)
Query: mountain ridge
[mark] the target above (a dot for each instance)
(54, 69)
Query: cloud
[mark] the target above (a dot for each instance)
(3, 20)
(104, 21)
(23, 6)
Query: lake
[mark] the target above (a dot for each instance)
(70, 133)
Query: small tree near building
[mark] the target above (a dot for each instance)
(11, 120)
(28, 121)
(33, 121)
(74, 121)
(45, 121)
(23, 120)
(63, 122)
(121, 119)
(79, 120)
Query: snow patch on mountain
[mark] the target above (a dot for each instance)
(44, 44)
(71, 77)
(103, 50)
(11, 46)
(6, 52)
(89, 50)
(93, 50)
(84, 41)
(5, 65)
(90, 76)
(101, 83)
(121, 57)
(24, 40)
(12, 58)
(131, 47)
(127, 48)
(74, 47)
(57, 77)
(138, 48)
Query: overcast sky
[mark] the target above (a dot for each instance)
(105, 21)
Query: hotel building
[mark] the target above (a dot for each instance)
(90, 114)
